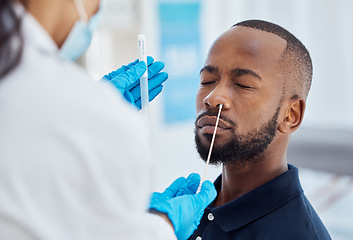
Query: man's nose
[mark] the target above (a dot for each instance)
(221, 94)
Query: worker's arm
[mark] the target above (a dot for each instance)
(164, 216)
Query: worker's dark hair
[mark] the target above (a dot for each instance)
(295, 59)
(11, 40)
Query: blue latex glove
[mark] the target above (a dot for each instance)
(183, 207)
(127, 80)
(186, 186)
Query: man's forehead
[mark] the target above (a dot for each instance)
(251, 40)
(253, 32)
(246, 46)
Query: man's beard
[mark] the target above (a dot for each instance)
(242, 149)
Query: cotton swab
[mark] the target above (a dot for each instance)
(211, 146)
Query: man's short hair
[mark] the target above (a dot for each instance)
(295, 59)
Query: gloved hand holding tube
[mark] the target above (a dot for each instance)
(127, 80)
(182, 205)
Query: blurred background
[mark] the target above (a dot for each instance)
(180, 32)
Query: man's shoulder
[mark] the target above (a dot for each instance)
(296, 219)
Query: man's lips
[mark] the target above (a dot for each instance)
(207, 124)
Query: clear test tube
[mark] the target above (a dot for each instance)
(144, 78)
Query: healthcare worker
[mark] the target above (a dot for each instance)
(74, 161)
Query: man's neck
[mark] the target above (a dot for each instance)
(238, 180)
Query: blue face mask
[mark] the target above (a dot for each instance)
(80, 36)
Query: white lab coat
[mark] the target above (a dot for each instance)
(74, 161)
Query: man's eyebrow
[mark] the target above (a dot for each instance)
(210, 69)
(243, 71)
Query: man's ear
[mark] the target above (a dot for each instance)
(293, 116)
